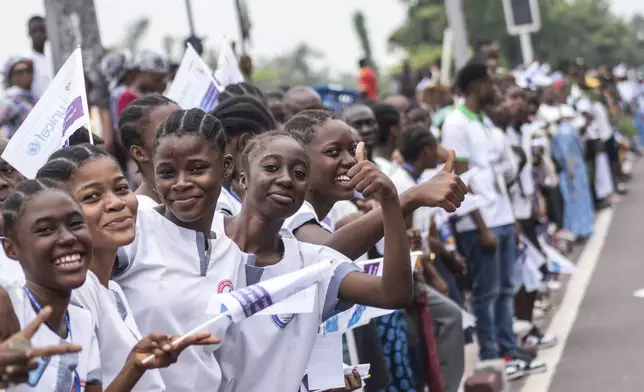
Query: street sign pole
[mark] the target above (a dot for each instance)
(456, 22)
(522, 18)
(526, 48)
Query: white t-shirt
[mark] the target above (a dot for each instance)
(59, 372)
(117, 330)
(146, 202)
(43, 71)
(168, 280)
(305, 214)
(10, 270)
(229, 202)
(605, 129)
(271, 353)
(475, 141)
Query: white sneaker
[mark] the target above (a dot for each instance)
(538, 313)
(554, 285)
(521, 327)
(515, 369)
(536, 338)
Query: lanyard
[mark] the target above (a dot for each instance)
(411, 171)
(35, 304)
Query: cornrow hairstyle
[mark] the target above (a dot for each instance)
(242, 89)
(413, 141)
(259, 142)
(303, 125)
(64, 163)
(14, 206)
(81, 136)
(193, 122)
(387, 117)
(136, 116)
(244, 114)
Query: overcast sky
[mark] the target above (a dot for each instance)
(278, 25)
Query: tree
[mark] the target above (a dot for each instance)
(291, 68)
(360, 27)
(134, 34)
(570, 28)
(170, 46)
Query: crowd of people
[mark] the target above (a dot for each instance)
(126, 240)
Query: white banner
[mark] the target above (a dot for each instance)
(557, 263)
(360, 315)
(194, 86)
(227, 71)
(260, 297)
(58, 114)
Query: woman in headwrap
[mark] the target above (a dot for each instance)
(19, 100)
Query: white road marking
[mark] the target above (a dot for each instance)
(566, 315)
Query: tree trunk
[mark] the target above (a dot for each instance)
(71, 23)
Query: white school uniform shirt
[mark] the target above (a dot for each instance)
(229, 202)
(59, 373)
(10, 270)
(305, 214)
(271, 353)
(146, 202)
(43, 71)
(474, 140)
(117, 331)
(169, 278)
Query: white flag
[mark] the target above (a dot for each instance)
(194, 86)
(557, 263)
(260, 297)
(57, 115)
(360, 315)
(227, 71)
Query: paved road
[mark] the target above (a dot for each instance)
(604, 346)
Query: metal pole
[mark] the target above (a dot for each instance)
(446, 58)
(456, 23)
(191, 22)
(526, 48)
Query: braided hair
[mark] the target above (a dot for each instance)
(244, 114)
(64, 163)
(303, 126)
(14, 207)
(193, 122)
(136, 116)
(413, 141)
(259, 142)
(240, 90)
(387, 117)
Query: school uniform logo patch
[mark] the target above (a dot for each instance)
(282, 320)
(225, 286)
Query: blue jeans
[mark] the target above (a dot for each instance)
(492, 290)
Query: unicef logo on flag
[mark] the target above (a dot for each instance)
(33, 148)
